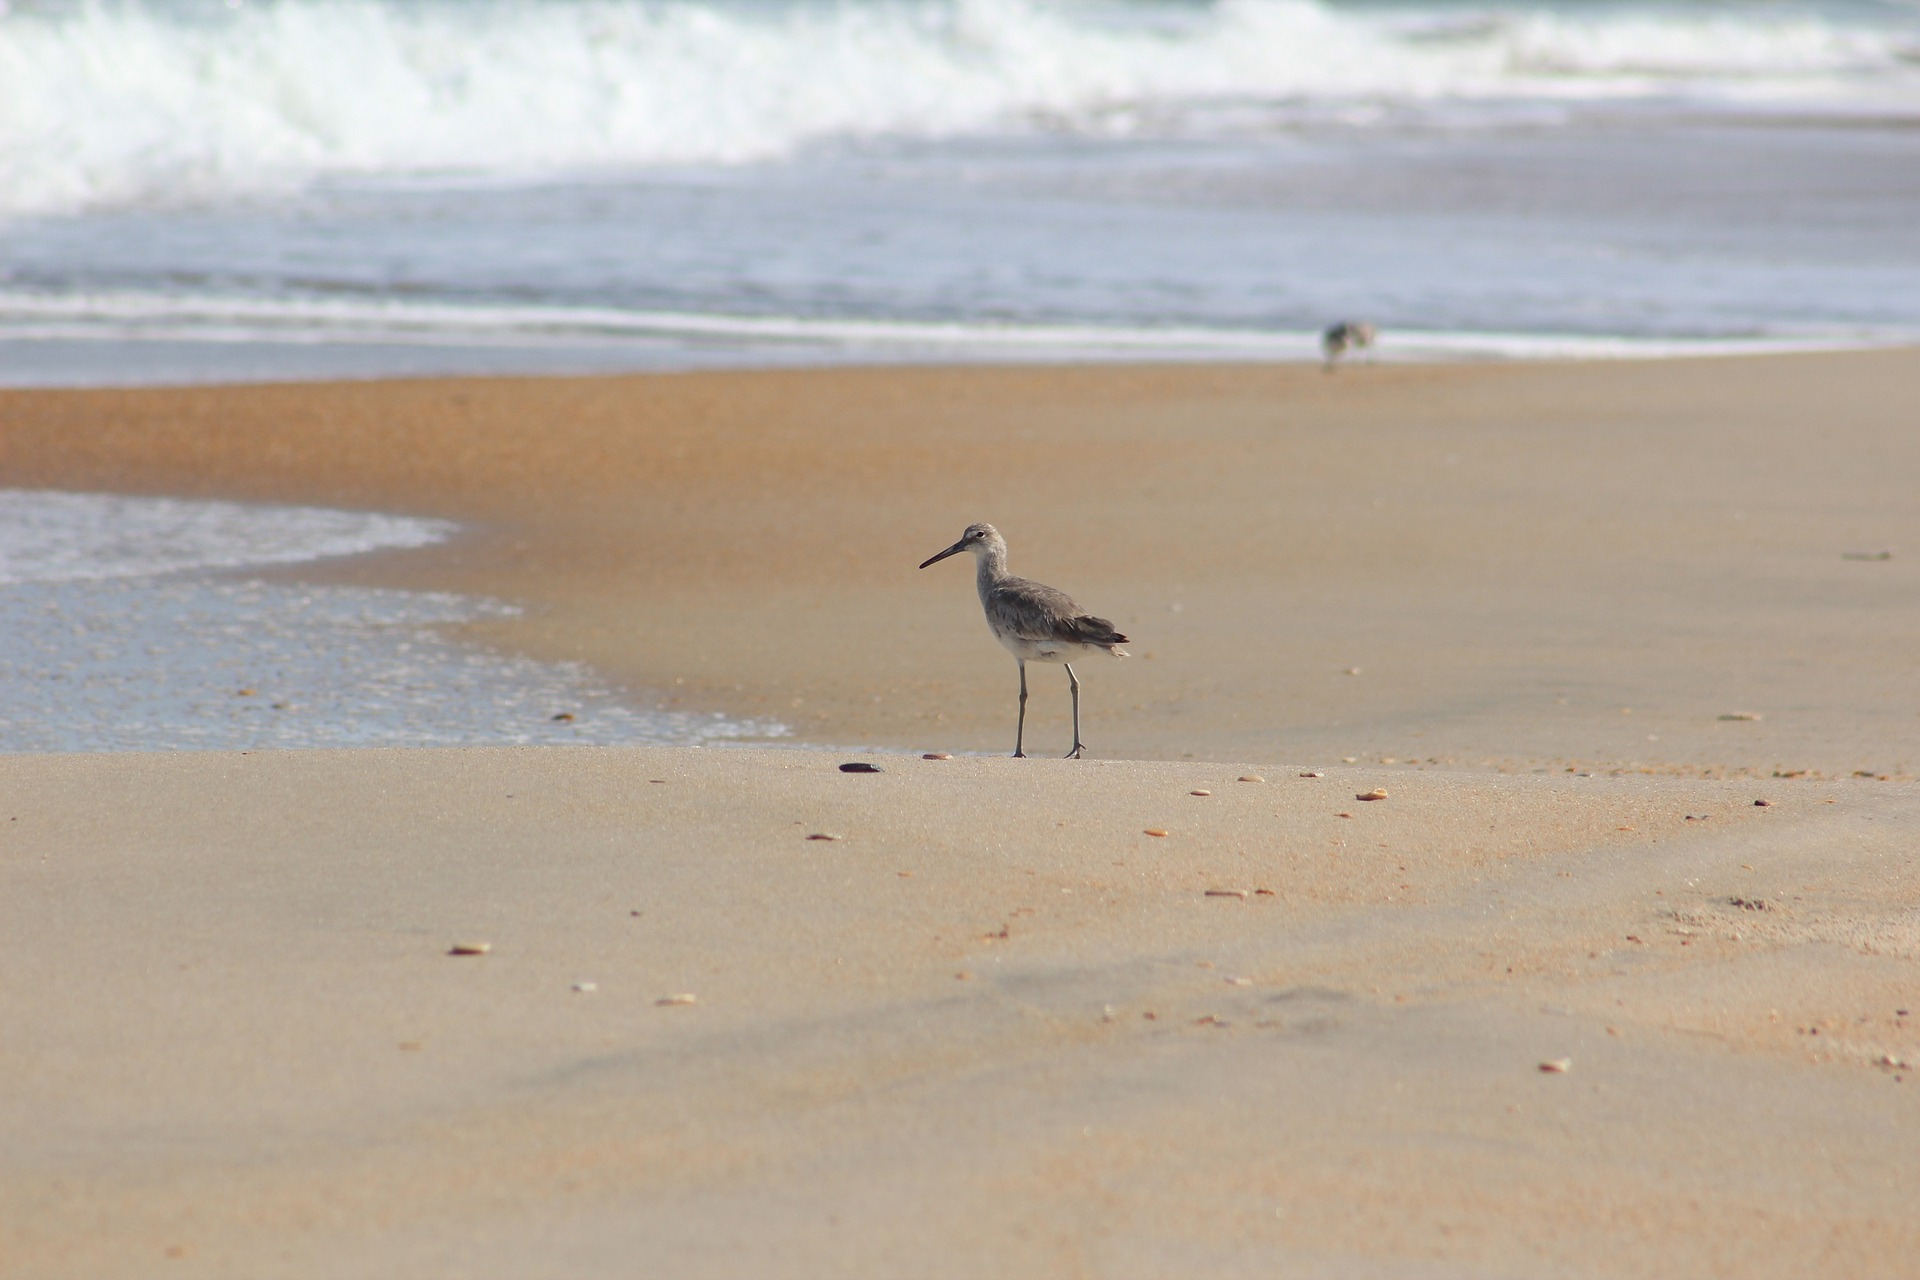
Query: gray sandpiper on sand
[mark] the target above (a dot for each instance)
(1036, 622)
(1348, 335)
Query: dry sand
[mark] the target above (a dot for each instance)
(232, 1041)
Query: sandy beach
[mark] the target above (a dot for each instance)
(1575, 621)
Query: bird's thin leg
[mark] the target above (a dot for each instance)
(1073, 682)
(1020, 734)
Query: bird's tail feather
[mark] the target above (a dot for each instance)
(1097, 631)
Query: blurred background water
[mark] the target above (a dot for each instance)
(219, 189)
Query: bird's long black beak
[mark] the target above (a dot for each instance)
(956, 547)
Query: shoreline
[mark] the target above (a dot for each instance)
(182, 361)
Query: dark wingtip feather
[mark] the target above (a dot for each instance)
(1091, 630)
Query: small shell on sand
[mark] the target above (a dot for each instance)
(469, 948)
(1155, 831)
(1251, 777)
(936, 755)
(825, 835)
(1239, 982)
(1741, 715)
(1763, 804)
(861, 766)
(1557, 1066)
(1199, 793)
(1312, 773)
(1227, 893)
(585, 988)
(684, 997)
(1378, 793)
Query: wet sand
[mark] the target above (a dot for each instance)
(234, 1043)
(1528, 565)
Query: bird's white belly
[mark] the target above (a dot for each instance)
(1040, 650)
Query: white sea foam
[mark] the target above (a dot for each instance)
(142, 101)
(48, 536)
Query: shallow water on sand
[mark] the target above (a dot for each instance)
(116, 634)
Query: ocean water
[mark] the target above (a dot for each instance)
(201, 189)
(132, 624)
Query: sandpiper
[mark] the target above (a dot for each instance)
(1348, 335)
(1036, 623)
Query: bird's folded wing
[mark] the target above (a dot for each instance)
(1037, 612)
(1033, 610)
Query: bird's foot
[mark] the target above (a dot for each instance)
(1019, 755)
(1075, 753)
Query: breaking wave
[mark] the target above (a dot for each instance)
(162, 101)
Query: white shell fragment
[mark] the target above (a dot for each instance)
(1378, 793)
(1557, 1066)
(585, 987)
(469, 948)
(684, 997)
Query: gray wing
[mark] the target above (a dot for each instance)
(1035, 611)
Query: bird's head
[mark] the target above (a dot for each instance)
(978, 538)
